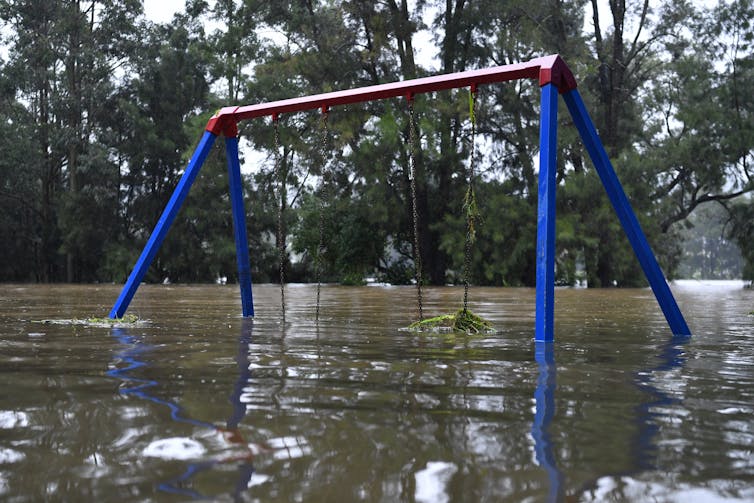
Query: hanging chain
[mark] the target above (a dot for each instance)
(325, 128)
(281, 188)
(469, 204)
(412, 175)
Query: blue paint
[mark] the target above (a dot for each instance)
(548, 139)
(544, 398)
(239, 226)
(626, 214)
(163, 224)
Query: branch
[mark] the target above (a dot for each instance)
(696, 201)
(597, 31)
(644, 10)
(664, 191)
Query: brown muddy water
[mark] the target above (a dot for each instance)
(199, 403)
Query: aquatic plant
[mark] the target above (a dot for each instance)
(461, 321)
(127, 320)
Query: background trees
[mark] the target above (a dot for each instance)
(101, 108)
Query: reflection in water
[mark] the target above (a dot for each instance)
(131, 354)
(649, 412)
(648, 417)
(544, 397)
(355, 415)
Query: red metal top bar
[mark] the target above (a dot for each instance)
(549, 70)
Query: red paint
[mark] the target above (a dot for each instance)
(548, 69)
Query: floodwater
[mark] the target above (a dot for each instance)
(199, 403)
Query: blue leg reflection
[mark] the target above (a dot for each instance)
(671, 356)
(131, 356)
(544, 397)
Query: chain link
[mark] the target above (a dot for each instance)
(413, 147)
(470, 203)
(323, 193)
(281, 195)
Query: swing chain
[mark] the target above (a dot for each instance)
(469, 204)
(413, 149)
(325, 128)
(281, 187)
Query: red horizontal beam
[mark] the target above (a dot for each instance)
(548, 69)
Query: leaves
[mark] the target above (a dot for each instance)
(100, 115)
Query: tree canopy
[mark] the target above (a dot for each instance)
(101, 108)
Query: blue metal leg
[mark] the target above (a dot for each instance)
(163, 224)
(545, 298)
(626, 214)
(239, 226)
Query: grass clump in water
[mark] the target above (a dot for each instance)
(461, 321)
(127, 320)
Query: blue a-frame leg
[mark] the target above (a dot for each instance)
(163, 224)
(171, 210)
(545, 288)
(239, 225)
(625, 213)
(548, 136)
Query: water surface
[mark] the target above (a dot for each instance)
(200, 403)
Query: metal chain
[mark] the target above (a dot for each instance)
(281, 194)
(325, 128)
(412, 175)
(470, 203)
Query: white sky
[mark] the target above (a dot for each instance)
(161, 11)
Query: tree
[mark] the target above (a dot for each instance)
(20, 165)
(708, 253)
(302, 65)
(32, 74)
(742, 232)
(62, 59)
(156, 125)
(107, 108)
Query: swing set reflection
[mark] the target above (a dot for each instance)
(239, 451)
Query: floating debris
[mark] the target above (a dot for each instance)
(463, 321)
(128, 320)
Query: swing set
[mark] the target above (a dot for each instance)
(554, 78)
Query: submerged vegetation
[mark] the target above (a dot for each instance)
(125, 321)
(461, 321)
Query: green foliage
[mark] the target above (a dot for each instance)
(99, 119)
(503, 254)
(462, 321)
(471, 211)
(125, 321)
(354, 244)
(742, 232)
